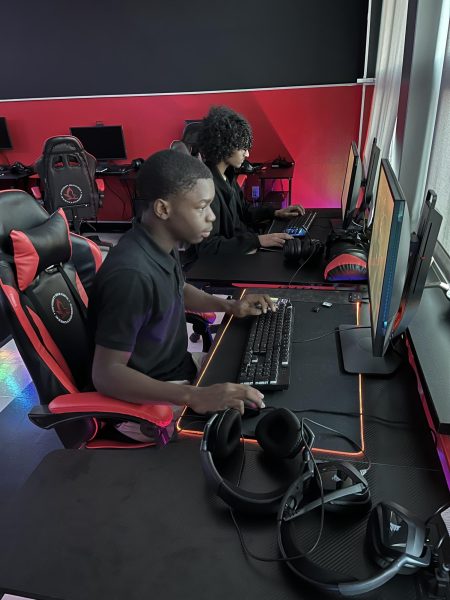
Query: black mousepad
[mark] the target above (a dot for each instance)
(319, 388)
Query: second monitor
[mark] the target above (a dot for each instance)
(105, 142)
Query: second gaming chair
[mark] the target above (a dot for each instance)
(45, 278)
(67, 174)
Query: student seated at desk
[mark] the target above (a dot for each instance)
(224, 141)
(139, 296)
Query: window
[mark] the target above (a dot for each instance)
(438, 172)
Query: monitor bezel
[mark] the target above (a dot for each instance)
(373, 173)
(353, 189)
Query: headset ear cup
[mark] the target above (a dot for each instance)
(279, 433)
(225, 438)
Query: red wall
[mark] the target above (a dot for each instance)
(313, 126)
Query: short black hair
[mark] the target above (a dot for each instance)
(166, 173)
(223, 132)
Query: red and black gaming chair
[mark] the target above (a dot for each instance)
(46, 274)
(67, 174)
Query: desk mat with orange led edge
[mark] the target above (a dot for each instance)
(319, 388)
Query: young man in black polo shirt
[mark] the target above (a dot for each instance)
(139, 296)
(225, 140)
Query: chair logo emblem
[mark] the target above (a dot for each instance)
(71, 193)
(62, 308)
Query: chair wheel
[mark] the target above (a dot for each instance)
(194, 337)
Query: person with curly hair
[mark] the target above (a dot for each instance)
(225, 141)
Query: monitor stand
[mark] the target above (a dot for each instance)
(357, 355)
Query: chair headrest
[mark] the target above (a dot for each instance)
(63, 143)
(18, 210)
(40, 247)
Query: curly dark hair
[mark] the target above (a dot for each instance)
(223, 132)
(166, 173)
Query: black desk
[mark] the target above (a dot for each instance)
(113, 524)
(271, 173)
(10, 180)
(268, 267)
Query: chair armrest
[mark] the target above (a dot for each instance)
(93, 404)
(100, 185)
(36, 191)
(209, 317)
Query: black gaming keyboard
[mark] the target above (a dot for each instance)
(266, 360)
(297, 227)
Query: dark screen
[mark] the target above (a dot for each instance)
(5, 140)
(103, 142)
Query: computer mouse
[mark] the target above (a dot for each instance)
(251, 410)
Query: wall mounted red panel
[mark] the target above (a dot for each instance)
(314, 126)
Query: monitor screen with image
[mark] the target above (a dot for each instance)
(351, 186)
(5, 140)
(105, 142)
(365, 349)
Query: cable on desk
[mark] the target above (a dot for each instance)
(335, 330)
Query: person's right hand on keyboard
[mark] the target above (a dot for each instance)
(224, 395)
(273, 240)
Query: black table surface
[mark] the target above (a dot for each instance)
(114, 524)
(268, 266)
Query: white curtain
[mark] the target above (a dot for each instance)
(439, 167)
(387, 75)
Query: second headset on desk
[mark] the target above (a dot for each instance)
(396, 537)
(302, 249)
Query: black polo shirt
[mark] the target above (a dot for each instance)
(136, 305)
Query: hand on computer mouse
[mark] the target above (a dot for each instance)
(273, 240)
(223, 395)
(289, 212)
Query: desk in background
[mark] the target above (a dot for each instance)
(268, 267)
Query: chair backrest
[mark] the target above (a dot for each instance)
(191, 135)
(45, 277)
(67, 174)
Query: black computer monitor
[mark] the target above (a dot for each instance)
(420, 255)
(365, 349)
(5, 140)
(351, 186)
(367, 208)
(105, 142)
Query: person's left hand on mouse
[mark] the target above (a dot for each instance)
(289, 212)
(253, 304)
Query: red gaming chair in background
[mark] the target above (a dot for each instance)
(45, 277)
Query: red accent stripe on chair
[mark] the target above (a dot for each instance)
(81, 290)
(13, 298)
(25, 257)
(50, 344)
(207, 316)
(95, 250)
(63, 215)
(88, 402)
(344, 259)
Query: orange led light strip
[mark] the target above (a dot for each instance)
(358, 454)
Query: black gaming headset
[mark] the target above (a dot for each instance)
(396, 541)
(279, 433)
(299, 249)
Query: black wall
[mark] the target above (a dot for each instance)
(102, 47)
